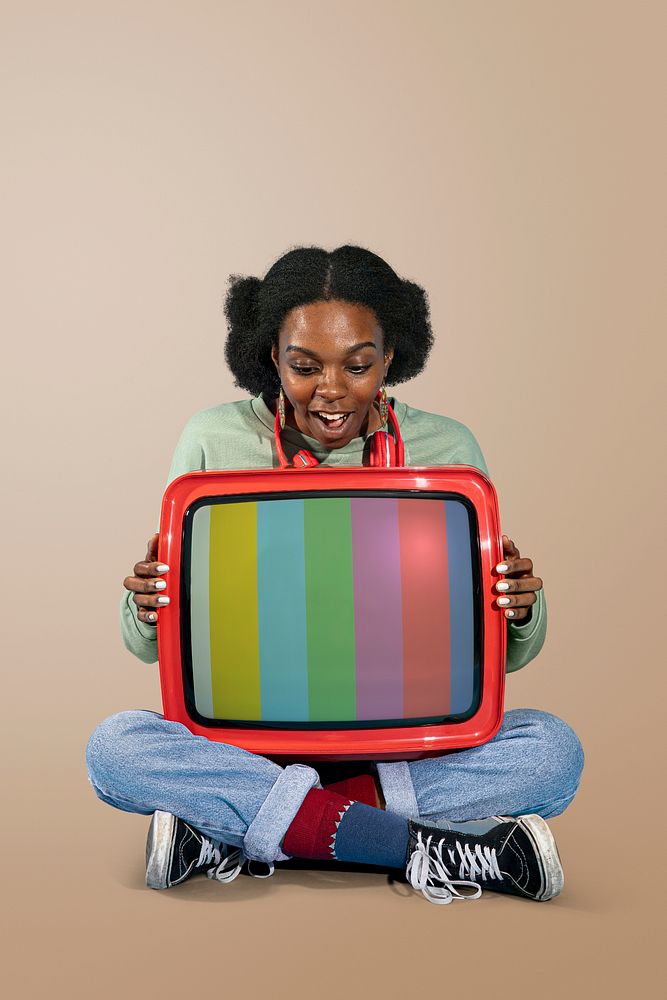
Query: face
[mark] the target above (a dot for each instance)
(331, 361)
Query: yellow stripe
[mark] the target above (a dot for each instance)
(233, 611)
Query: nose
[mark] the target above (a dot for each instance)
(331, 387)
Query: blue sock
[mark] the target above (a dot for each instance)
(372, 837)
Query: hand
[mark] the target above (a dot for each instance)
(519, 586)
(147, 585)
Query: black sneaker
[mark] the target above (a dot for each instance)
(516, 854)
(175, 851)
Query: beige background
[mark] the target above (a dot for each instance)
(508, 156)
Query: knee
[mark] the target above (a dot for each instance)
(114, 746)
(556, 759)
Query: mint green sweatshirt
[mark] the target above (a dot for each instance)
(239, 435)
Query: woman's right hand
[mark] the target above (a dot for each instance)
(147, 584)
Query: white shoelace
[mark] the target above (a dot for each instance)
(428, 873)
(225, 869)
(221, 869)
(256, 874)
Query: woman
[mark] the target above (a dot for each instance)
(315, 343)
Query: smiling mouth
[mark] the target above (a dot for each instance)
(332, 421)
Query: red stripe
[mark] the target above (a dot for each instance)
(425, 590)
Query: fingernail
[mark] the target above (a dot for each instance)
(509, 614)
(160, 585)
(162, 568)
(501, 600)
(163, 600)
(151, 616)
(502, 568)
(499, 586)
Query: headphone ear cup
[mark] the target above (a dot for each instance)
(383, 449)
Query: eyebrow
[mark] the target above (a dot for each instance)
(304, 350)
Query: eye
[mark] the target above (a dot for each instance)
(304, 370)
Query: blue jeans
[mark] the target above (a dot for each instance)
(139, 762)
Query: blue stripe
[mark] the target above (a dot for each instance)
(281, 611)
(462, 645)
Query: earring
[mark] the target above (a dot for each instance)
(281, 408)
(384, 410)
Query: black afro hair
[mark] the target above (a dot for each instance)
(256, 307)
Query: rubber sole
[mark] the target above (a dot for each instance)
(544, 842)
(159, 848)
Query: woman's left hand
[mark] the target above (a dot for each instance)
(517, 591)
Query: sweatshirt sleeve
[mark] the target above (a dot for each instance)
(524, 639)
(139, 637)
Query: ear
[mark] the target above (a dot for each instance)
(274, 354)
(388, 358)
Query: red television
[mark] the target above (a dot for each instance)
(333, 613)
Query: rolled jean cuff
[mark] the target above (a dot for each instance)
(263, 836)
(397, 788)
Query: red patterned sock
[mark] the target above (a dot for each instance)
(312, 832)
(361, 788)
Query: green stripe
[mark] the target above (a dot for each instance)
(330, 609)
(233, 611)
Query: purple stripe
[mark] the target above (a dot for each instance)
(378, 620)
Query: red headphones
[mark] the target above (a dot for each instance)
(384, 449)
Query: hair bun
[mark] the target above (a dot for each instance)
(417, 303)
(241, 301)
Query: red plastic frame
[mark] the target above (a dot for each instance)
(400, 743)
